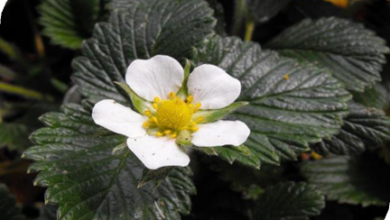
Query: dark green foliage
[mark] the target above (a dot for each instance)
(48, 212)
(173, 28)
(355, 180)
(286, 110)
(231, 154)
(75, 157)
(377, 96)
(293, 201)
(250, 182)
(69, 22)
(264, 10)
(296, 90)
(8, 208)
(363, 128)
(75, 161)
(86, 14)
(157, 176)
(353, 54)
(219, 14)
(15, 134)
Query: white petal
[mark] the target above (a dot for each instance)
(221, 133)
(156, 152)
(157, 76)
(213, 87)
(118, 118)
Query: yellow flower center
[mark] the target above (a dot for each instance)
(171, 116)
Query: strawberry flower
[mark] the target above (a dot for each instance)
(175, 109)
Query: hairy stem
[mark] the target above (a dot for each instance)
(249, 29)
(238, 16)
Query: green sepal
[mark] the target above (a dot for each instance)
(184, 138)
(218, 114)
(158, 176)
(140, 104)
(183, 92)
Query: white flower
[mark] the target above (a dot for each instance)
(172, 112)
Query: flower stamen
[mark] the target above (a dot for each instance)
(159, 134)
(172, 95)
(148, 113)
(172, 116)
(190, 99)
(197, 106)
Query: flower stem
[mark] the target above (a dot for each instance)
(250, 27)
(238, 16)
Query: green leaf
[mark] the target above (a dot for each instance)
(11, 51)
(363, 128)
(291, 105)
(361, 179)
(241, 154)
(378, 97)
(69, 22)
(59, 85)
(250, 182)
(14, 133)
(157, 176)
(262, 11)
(48, 212)
(75, 157)
(86, 14)
(145, 29)
(75, 161)
(293, 201)
(353, 54)
(8, 208)
(219, 14)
